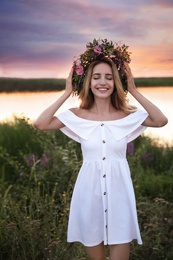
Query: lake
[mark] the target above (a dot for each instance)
(31, 104)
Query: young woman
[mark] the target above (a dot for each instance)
(103, 207)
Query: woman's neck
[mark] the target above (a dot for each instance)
(102, 106)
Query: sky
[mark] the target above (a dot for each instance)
(39, 38)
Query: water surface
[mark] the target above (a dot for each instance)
(31, 104)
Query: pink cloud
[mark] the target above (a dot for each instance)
(43, 36)
(152, 61)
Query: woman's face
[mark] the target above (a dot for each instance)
(102, 83)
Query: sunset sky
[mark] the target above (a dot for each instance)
(39, 38)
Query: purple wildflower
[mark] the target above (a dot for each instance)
(130, 148)
(44, 161)
(31, 159)
(148, 157)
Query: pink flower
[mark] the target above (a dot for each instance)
(79, 70)
(97, 49)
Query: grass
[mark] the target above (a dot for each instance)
(37, 175)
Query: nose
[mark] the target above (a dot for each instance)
(102, 81)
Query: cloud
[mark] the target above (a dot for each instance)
(167, 61)
(43, 32)
(160, 3)
(146, 3)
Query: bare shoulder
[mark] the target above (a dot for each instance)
(75, 110)
(91, 115)
(79, 111)
(121, 114)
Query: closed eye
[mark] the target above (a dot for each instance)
(109, 78)
(98, 76)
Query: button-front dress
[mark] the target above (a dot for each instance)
(103, 206)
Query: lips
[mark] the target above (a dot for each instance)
(102, 89)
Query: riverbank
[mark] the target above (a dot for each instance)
(9, 85)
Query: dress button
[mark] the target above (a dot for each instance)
(105, 210)
(104, 158)
(106, 226)
(104, 141)
(102, 124)
(104, 193)
(104, 176)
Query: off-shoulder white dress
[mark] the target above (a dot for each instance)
(103, 206)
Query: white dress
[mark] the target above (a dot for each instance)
(103, 206)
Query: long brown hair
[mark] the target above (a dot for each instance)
(118, 97)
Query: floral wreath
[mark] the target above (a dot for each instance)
(97, 50)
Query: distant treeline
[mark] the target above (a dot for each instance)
(154, 82)
(31, 85)
(23, 85)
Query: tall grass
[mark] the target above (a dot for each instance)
(37, 175)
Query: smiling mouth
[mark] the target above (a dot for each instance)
(102, 89)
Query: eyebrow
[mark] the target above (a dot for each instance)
(98, 74)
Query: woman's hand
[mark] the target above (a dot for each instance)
(47, 120)
(130, 79)
(69, 87)
(155, 117)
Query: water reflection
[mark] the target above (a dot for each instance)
(29, 104)
(32, 104)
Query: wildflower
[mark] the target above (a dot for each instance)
(148, 157)
(44, 161)
(97, 49)
(130, 148)
(31, 159)
(79, 70)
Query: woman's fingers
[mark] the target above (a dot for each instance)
(69, 86)
(70, 74)
(127, 68)
(71, 71)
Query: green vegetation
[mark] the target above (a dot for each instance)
(37, 174)
(151, 82)
(19, 84)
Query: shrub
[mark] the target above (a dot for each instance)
(37, 175)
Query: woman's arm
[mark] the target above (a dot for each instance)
(156, 118)
(47, 120)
